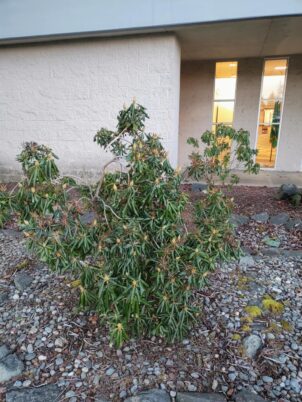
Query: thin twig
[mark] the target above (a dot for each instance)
(115, 139)
(116, 158)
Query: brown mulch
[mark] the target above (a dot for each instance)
(250, 200)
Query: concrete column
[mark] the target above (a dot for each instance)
(248, 96)
(196, 103)
(289, 155)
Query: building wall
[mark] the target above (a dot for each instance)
(196, 99)
(289, 156)
(60, 94)
(248, 96)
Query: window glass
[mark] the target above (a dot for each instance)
(270, 110)
(274, 78)
(223, 112)
(224, 93)
(225, 88)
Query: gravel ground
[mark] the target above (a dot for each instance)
(253, 236)
(59, 344)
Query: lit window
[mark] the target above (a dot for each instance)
(270, 111)
(224, 93)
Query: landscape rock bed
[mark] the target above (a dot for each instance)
(41, 326)
(255, 236)
(239, 350)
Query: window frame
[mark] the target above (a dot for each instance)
(282, 110)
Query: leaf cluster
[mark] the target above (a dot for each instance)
(219, 153)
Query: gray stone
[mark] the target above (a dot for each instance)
(287, 190)
(70, 394)
(246, 261)
(199, 397)
(267, 379)
(197, 187)
(22, 281)
(4, 351)
(3, 297)
(247, 396)
(11, 233)
(252, 345)
(59, 361)
(10, 367)
(30, 356)
(88, 217)
(239, 220)
(294, 224)
(110, 371)
(292, 253)
(191, 387)
(295, 386)
(279, 219)
(46, 393)
(272, 252)
(263, 217)
(232, 376)
(154, 395)
(271, 242)
(100, 399)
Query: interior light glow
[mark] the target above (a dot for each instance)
(280, 68)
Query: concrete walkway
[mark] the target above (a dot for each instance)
(270, 178)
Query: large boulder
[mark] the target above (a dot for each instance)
(238, 220)
(247, 396)
(286, 191)
(22, 281)
(10, 367)
(154, 395)
(263, 217)
(199, 397)
(246, 261)
(4, 351)
(279, 219)
(16, 234)
(4, 296)
(294, 224)
(46, 393)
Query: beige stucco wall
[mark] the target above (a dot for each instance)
(60, 94)
(247, 96)
(196, 97)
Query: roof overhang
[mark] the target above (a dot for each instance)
(237, 39)
(43, 20)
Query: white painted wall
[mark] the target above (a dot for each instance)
(60, 94)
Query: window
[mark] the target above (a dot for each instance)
(270, 111)
(224, 93)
